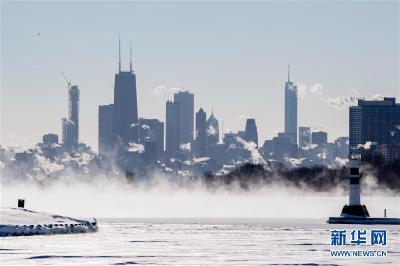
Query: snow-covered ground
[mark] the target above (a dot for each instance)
(19, 221)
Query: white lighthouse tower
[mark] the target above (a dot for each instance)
(354, 209)
(354, 174)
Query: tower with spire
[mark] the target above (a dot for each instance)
(291, 109)
(125, 110)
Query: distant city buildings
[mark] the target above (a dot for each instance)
(291, 110)
(136, 145)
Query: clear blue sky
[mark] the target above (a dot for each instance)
(232, 55)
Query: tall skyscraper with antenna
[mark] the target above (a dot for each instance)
(291, 109)
(125, 110)
(70, 124)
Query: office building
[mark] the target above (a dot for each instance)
(291, 110)
(105, 129)
(125, 109)
(251, 134)
(186, 115)
(172, 145)
(319, 138)
(304, 137)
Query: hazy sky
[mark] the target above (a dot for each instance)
(232, 55)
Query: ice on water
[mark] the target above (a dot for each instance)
(190, 241)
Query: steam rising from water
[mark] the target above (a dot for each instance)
(166, 198)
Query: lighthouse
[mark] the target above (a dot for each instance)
(354, 209)
(354, 174)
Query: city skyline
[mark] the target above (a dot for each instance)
(230, 110)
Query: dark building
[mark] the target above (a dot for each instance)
(125, 109)
(291, 110)
(376, 121)
(319, 138)
(201, 132)
(105, 129)
(68, 136)
(172, 145)
(342, 147)
(304, 136)
(282, 146)
(50, 138)
(70, 125)
(186, 115)
(251, 133)
(152, 130)
(212, 131)
(150, 153)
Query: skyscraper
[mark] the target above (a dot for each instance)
(172, 129)
(251, 133)
(201, 132)
(375, 121)
(319, 138)
(212, 130)
(105, 128)
(70, 125)
(304, 136)
(125, 110)
(152, 130)
(291, 109)
(186, 115)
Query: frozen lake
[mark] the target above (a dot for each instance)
(192, 241)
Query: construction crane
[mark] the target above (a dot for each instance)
(66, 79)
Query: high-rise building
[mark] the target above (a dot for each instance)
(201, 132)
(150, 153)
(281, 147)
(172, 145)
(304, 136)
(186, 115)
(375, 121)
(291, 110)
(319, 138)
(342, 147)
(73, 111)
(212, 130)
(251, 133)
(125, 109)
(152, 130)
(50, 138)
(68, 131)
(378, 122)
(70, 124)
(105, 128)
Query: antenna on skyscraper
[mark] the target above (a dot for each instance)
(288, 73)
(119, 52)
(130, 56)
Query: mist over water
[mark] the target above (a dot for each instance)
(161, 197)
